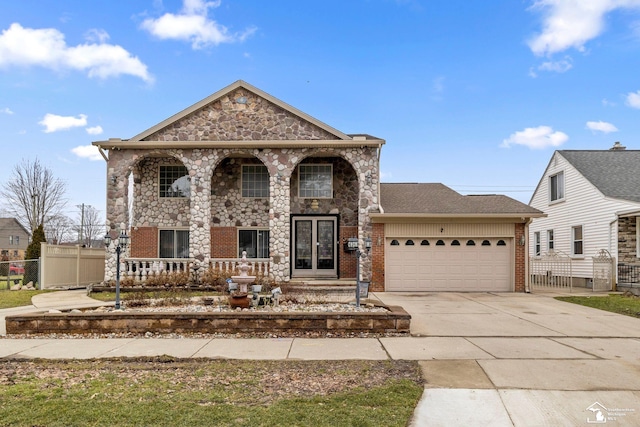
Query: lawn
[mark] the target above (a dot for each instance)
(171, 392)
(621, 304)
(11, 299)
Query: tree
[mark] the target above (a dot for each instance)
(33, 252)
(90, 225)
(33, 194)
(59, 229)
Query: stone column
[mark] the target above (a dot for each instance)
(200, 164)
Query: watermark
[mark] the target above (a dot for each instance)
(602, 415)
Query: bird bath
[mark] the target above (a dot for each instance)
(239, 298)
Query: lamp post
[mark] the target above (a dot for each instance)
(123, 241)
(352, 245)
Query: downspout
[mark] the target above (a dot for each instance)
(527, 288)
(380, 208)
(614, 267)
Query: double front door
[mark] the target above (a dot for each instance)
(315, 244)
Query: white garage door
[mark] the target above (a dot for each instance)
(461, 265)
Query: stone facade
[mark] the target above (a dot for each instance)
(214, 177)
(627, 240)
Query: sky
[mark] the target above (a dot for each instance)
(474, 94)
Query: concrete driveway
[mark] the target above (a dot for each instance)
(519, 359)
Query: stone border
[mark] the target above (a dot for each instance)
(396, 320)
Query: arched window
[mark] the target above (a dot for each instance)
(440, 243)
(471, 243)
(501, 243)
(395, 243)
(424, 243)
(409, 243)
(455, 243)
(486, 243)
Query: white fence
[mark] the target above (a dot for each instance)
(551, 271)
(69, 266)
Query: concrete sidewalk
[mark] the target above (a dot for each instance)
(488, 359)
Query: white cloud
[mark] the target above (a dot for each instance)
(193, 24)
(633, 99)
(96, 130)
(571, 23)
(47, 48)
(536, 138)
(87, 152)
(557, 66)
(6, 110)
(601, 126)
(54, 123)
(607, 103)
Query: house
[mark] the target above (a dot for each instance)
(242, 171)
(14, 239)
(592, 202)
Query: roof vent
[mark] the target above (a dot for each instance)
(618, 146)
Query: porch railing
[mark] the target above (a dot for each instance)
(142, 268)
(629, 274)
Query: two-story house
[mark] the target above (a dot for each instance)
(592, 202)
(243, 171)
(14, 238)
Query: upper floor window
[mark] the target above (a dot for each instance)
(577, 240)
(550, 240)
(255, 181)
(316, 181)
(14, 240)
(556, 186)
(536, 243)
(174, 181)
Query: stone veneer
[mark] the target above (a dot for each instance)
(627, 241)
(215, 173)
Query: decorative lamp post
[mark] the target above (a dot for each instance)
(352, 246)
(123, 241)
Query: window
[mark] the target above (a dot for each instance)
(255, 242)
(316, 181)
(394, 242)
(455, 243)
(409, 243)
(255, 181)
(424, 243)
(556, 186)
(174, 243)
(536, 243)
(14, 240)
(501, 243)
(576, 240)
(471, 243)
(174, 181)
(486, 243)
(550, 240)
(440, 243)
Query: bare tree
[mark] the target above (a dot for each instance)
(59, 229)
(89, 226)
(33, 194)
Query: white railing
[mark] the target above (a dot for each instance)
(142, 268)
(551, 271)
(256, 265)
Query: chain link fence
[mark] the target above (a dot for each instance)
(19, 274)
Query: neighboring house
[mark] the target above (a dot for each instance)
(592, 202)
(244, 171)
(14, 238)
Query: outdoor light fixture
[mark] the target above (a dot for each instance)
(521, 241)
(123, 241)
(114, 179)
(352, 246)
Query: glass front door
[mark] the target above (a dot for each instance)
(314, 247)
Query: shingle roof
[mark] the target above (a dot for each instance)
(616, 173)
(435, 198)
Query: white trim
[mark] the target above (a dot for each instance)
(560, 190)
(573, 241)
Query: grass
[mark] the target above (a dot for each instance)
(11, 299)
(622, 304)
(170, 392)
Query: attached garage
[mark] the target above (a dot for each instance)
(433, 239)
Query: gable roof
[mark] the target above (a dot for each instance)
(435, 199)
(13, 224)
(615, 173)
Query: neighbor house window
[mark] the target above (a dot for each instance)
(536, 243)
(556, 186)
(255, 181)
(577, 246)
(549, 240)
(174, 181)
(255, 242)
(174, 244)
(14, 240)
(316, 181)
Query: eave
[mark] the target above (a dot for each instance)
(118, 144)
(474, 217)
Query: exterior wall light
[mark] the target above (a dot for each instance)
(123, 242)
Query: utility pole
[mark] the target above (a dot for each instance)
(80, 237)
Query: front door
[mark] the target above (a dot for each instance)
(315, 246)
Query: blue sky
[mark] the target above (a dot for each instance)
(474, 94)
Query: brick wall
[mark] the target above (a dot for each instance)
(377, 258)
(144, 242)
(347, 267)
(224, 242)
(520, 260)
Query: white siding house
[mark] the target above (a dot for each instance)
(583, 193)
